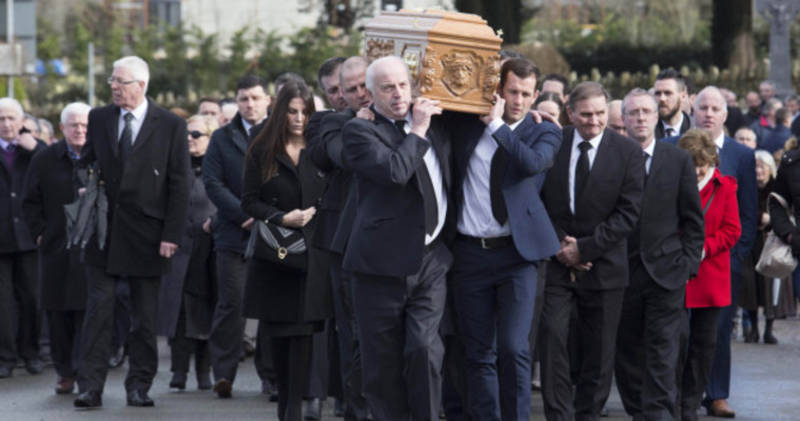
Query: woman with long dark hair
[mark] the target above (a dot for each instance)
(282, 188)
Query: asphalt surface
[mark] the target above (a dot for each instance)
(765, 386)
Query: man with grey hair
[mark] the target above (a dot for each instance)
(396, 253)
(663, 252)
(738, 161)
(18, 278)
(49, 187)
(140, 151)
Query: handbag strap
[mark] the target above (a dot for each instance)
(708, 204)
(784, 204)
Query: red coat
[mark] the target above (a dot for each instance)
(712, 285)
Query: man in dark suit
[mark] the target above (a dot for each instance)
(223, 167)
(50, 186)
(400, 162)
(18, 275)
(592, 195)
(500, 162)
(670, 92)
(663, 253)
(141, 153)
(326, 152)
(738, 161)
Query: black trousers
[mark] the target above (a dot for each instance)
(98, 329)
(182, 348)
(122, 314)
(65, 339)
(292, 360)
(699, 333)
(19, 318)
(598, 318)
(347, 334)
(398, 322)
(320, 364)
(647, 346)
(227, 327)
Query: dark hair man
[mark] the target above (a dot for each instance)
(669, 90)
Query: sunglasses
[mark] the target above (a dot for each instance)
(196, 134)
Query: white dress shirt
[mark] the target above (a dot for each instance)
(676, 128)
(5, 143)
(476, 218)
(649, 155)
(136, 123)
(720, 141)
(435, 172)
(575, 153)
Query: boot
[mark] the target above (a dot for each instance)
(178, 380)
(752, 336)
(769, 338)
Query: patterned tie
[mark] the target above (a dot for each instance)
(126, 139)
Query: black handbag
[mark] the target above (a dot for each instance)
(277, 244)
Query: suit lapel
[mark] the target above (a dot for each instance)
(563, 165)
(112, 127)
(148, 125)
(600, 164)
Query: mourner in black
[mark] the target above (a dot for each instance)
(140, 151)
(50, 185)
(188, 292)
(286, 289)
(592, 194)
(326, 153)
(18, 277)
(401, 166)
(663, 253)
(222, 176)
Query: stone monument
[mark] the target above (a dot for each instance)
(780, 14)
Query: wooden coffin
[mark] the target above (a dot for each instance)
(453, 57)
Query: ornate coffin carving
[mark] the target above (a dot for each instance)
(453, 57)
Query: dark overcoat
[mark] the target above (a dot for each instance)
(49, 187)
(148, 194)
(192, 278)
(14, 233)
(273, 293)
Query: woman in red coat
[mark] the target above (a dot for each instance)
(710, 290)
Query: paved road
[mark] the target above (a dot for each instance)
(766, 386)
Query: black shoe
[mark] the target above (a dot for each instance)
(34, 366)
(313, 409)
(268, 388)
(88, 400)
(204, 381)
(769, 338)
(5, 372)
(223, 388)
(339, 408)
(178, 381)
(118, 358)
(139, 398)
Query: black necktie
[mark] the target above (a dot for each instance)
(670, 132)
(646, 156)
(126, 139)
(426, 187)
(496, 173)
(582, 169)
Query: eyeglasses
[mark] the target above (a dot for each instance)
(196, 134)
(112, 80)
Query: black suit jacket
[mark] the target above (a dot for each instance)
(685, 125)
(669, 235)
(606, 213)
(147, 195)
(388, 235)
(326, 153)
(14, 233)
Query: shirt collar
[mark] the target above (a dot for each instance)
(595, 141)
(71, 152)
(649, 150)
(513, 126)
(676, 127)
(720, 140)
(5, 143)
(138, 112)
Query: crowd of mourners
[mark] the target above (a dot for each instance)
(402, 261)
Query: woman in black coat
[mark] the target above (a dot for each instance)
(187, 293)
(282, 186)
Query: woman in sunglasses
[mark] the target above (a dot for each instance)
(187, 297)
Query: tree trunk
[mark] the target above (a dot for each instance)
(500, 14)
(732, 34)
